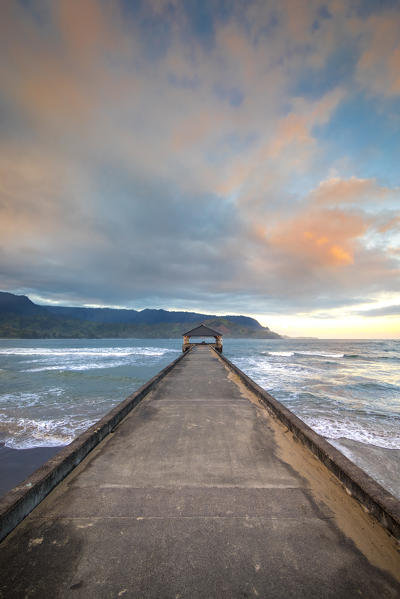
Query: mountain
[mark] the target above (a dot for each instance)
(145, 317)
(21, 318)
(18, 304)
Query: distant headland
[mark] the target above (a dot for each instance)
(21, 318)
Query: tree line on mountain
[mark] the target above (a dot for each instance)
(21, 318)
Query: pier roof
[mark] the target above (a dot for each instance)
(202, 331)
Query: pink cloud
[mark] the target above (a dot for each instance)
(335, 191)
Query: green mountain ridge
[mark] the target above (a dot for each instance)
(21, 318)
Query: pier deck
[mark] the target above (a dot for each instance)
(199, 493)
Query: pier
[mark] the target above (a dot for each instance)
(199, 485)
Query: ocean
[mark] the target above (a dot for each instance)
(347, 391)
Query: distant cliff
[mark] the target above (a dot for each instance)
(21, 318)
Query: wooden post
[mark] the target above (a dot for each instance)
(186, 343)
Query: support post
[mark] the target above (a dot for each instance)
(186, 343)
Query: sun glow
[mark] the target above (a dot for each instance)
(356, 323)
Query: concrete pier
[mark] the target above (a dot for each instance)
(199, 492)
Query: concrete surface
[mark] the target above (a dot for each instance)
(199, 493)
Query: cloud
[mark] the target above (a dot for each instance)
(391, 222)
(336, 191)
(324, 247)
(378, 67)
(319, 238)
(385, 311)
(153, 157)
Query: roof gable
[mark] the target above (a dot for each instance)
(202, 331)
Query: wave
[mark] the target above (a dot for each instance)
(77, 367)
(80, 359)
(336, 429)
(25, 433)
(320, 354)
(289, 354)
(87, 351)
(371, 358)
(27, 400)
(283, 354)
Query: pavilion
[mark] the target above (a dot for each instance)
(202, 331)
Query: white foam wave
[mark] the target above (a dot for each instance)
(77, 367)
(354, 430)
(24, 433)
(289, 354)
(320, 353)
(81, 359)
(24, 397)
(76, 352)
(20, 399)
(53, 441)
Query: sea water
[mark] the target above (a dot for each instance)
(347, 391)
(53, 390)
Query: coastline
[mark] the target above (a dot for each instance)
(17, 464)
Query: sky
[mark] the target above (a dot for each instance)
(220, 156)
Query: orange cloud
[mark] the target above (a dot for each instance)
(319, 238)
(340, 255)
(335, 191)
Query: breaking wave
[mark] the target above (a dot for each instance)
(86, 351)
